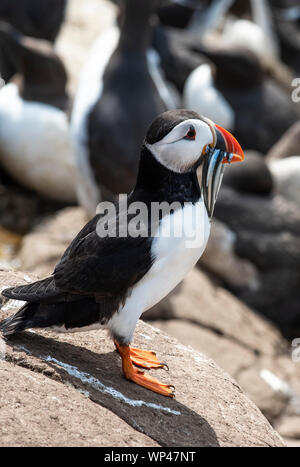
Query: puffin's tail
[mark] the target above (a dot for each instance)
(63, 315)
(22, 320)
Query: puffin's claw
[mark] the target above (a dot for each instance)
(147, 360)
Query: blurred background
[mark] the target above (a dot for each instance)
(80, 83)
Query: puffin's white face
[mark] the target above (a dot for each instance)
(183, 146)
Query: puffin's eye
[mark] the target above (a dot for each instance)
(191, 134)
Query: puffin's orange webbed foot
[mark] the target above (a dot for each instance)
(145, 359)
(142, 358)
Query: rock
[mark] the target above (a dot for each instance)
(42, 249)
(254, 371)
(286, 173)
(223, 349)
(292, 443)
(220, 259)
(288, 145)
(239, 340)
(271, 403)
(79, 368)
(274, 385)
(204, 304)
(9, 245)
(253, 176)
(21, 209)
(289, 427)
(37, 411)
(278, 298)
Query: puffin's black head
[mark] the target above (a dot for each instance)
(181, 140)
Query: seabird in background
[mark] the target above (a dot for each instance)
(120, 92)
(257, 35)
(33, 106)
(109, 281)
(286, 15)
(39, 19)
(247, 92)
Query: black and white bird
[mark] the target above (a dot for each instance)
(237, 93)
(109, 281)
(34, 106)
(121, 90)
(41, 20)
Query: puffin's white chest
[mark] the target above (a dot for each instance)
(179, 243)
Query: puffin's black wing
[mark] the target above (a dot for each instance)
(46, 291)
(104, 267)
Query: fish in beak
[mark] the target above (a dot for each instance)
(225, 150)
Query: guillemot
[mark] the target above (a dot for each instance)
(110, 280)
(120, 91)
(41, 20)
(34, 106)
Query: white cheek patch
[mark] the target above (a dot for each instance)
(179, 154)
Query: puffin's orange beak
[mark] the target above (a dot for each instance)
(227, 142)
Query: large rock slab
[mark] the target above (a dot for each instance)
(199, 301)
(210, 408)
(288, 145)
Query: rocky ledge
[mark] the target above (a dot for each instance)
(68, 390)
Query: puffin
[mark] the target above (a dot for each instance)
(107, 279)
(34, 105)
(121, 90)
